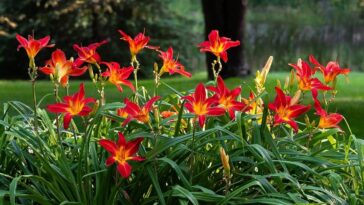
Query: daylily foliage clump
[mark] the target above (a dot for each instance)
(211, 145)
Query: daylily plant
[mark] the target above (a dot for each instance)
(135, 112)
(286, 109)
(118, 76)
(72, 106)
(326, 120)
(88, 54)
(305, 80)
(218, 45)
(171, 65)
(33, 46)
(60, 68)
(121, 153)
(137, 44)
(331, 70)
(202, 106)
(227, 99)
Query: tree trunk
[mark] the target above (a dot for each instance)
(227, 16)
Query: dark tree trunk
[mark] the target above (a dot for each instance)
(227, 16)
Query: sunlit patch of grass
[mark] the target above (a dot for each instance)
(349, 100)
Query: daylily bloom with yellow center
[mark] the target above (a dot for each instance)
(72, 106)
(286, 110)
(331, 70)
(140, 114)
(33, 46)
(137, 44)
(61, 68)
(305, 80)
(227, 99)
(326, 120)
(118, 76)
(121, 153)
(88, 54)
(202, 106)
(218, 45)
(171, 65)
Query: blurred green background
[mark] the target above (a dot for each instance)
(329, 29)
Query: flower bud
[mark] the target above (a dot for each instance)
(225, 161)
(91, 72)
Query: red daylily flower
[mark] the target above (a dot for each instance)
(139, 42)
(331, 70)
(61, 68)
(218, 45)
(33, 46)
(118, 76)
(305, 80)
(140, 114)
(227, 98)
(326, 120)
(121, 153)
(202, 106)
(88, 54)
(72, 106)
(286, 110)
(171, 65)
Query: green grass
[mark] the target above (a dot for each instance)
(349, 100)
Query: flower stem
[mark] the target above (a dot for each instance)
(101, 89)
(219, 68)
(57, 115)
(32, 72)
(135, 63)
(192, 163)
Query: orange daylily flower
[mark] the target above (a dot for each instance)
(140, 114)
(137, 44)
(331, 70)
(218, 45)
(227, 99)
(326, 120)
(61, 68)
(118, 76)
(121, 153)
(168, 113)
(88, 54)
(305, 80)
(286, 110)
(171, 65)
(72, 106)
(33, 46)
(202, 106)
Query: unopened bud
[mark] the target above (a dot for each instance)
(91, 72)
(225, 161)
(296, 97)
(95, 107)
(279, 84)
(307, 121)
(291, 78)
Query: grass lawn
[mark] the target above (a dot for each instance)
(349, 100)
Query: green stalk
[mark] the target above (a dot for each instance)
(135, 63)
(32, 71)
